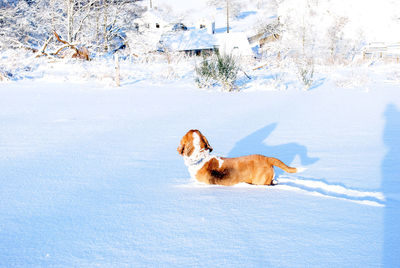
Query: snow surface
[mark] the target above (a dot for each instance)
(90, 177)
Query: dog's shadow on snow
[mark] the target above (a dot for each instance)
(254, 144)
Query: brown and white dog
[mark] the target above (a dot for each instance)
(252, 169)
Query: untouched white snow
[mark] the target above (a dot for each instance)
(90, 177)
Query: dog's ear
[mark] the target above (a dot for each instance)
(189, 149)
(206, 144)
(186, 145)
(185, 150)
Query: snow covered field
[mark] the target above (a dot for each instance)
(90, 177)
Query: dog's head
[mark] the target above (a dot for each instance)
(193, 141)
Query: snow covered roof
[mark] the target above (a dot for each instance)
(227, 43)
(188, 40)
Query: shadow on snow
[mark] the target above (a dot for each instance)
(391, 187)
(253, 144)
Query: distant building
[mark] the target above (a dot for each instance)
(207, 24)
(200, 40)
(235, 43)
(151, 20)
(269, 38)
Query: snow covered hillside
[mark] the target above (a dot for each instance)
(90, 177)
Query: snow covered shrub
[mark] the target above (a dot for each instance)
(305, 70)
(227, 70)
(205, 73)
(218, 70)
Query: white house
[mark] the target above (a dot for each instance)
(151, 20)
(235, 43)
(206, 23)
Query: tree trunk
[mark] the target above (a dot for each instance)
(105, 7)
(70, 20)
(227, 16)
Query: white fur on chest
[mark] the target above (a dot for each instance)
(199, 157)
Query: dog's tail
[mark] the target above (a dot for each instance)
(278, 163)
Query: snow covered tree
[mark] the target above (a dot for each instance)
(300, 36)
(97, 24)
(335, 37)
(315, 28)
(24, 25)
(299, 25)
